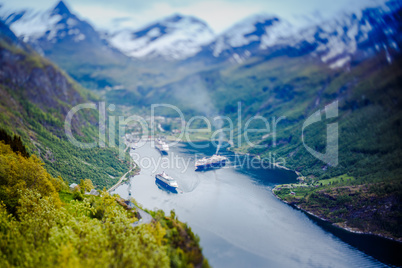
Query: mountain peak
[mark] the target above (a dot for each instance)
(61, 9)
(180, 18)
(174, 37)
(175, 17)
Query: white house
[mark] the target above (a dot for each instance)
(72, 186)
(93, 192)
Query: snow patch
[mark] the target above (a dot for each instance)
(79, 37)
(241, 33)
(34, 25)
(339, 63)
(274, 34)
(71, 22)
(155, 32)
(183, 38)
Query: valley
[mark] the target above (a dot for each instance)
(320, 99)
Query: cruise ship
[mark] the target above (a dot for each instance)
(216, 161)
(166, 181)
(162, 146)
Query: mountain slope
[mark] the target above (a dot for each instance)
(338, 41)
(67, 40)
(36, 96)
(176, 37)
(365, 187)
(43, 224)
(249, 35)
(128, 60)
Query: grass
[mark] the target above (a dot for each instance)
(66, 197)
(338, 179)
(311, 183)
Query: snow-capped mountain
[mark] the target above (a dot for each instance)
(255, 32)
(46, 30)
(175, 37)
(67, 40)
(8, 35)
(336, 41)
(354, 36)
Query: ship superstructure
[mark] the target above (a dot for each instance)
(215, 161)
(166, 181)
(162, 146)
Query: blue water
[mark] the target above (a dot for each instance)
(240, 222)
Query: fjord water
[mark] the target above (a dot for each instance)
(239, 220)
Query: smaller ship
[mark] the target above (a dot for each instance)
(161, 146)
(166, 182)
(216, 161)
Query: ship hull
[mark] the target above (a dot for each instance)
(164, 186)
(162, 151)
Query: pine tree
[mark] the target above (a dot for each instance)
(15, 143)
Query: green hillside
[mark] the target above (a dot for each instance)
(36, 96)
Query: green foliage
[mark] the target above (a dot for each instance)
(18, 173)
(77, 195)
(15, 142)
(48, 236)
(37, 116)
(40, 227)
(86, 185)
(367, 178)
(184, 249)
(48, 229)
(66, 196)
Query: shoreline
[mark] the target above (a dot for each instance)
(295, 206)
(122, 179)
(346, 228)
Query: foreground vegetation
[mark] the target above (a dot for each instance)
(43, 224)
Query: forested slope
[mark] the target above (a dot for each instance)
(36, 97)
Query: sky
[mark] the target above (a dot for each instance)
(219, 14)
